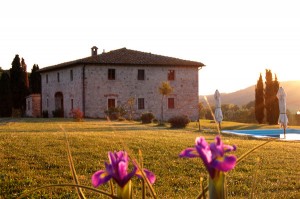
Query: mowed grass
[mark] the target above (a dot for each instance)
(33, 153)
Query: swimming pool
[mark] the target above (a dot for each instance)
(291, 134)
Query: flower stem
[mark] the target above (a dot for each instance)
(217, 187)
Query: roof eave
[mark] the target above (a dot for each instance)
(57, 67)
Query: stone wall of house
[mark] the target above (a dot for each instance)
(126, 85)
(60, 81)
(33, 105)
(98, 89)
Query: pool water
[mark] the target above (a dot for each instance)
(291, 134)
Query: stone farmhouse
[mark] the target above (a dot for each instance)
(96, 83)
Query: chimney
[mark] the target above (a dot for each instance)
(94, 51)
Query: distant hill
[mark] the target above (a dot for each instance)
(244, 96)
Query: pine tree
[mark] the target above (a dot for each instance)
(259, 101)
(35, 80)
(5, 96)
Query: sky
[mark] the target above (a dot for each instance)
(235, 39)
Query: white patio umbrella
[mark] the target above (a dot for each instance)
(282, 120)
(218, 110)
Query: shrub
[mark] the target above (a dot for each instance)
(16, 112)
(58, 113)
(180, 121)
(147, 118)
(77, 114)
(114, 113)
(121, 119)
(45, 114)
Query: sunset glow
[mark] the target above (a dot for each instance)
(235, 40)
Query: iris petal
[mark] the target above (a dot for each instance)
(151, 177)
(225, 163)
(204, 151)
(189, 153)
(117, 169)
(111, 157)
(126, 179)
(228, 148)
(100, 177)
(213, 155)
(122, 170)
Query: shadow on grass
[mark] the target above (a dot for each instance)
(34, 120)
(242, 127)
(88, 125)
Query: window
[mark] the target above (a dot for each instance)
(141, 103)
(171, 75)
(141, 74)
(111, 74)
(57, 77)
(46, 78)
(171, 103)
(72, 104)
(71, 75)
(111, 103)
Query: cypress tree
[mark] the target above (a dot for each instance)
(18, 85)
(271, 101)
(24, 68)
(268, 96)
(275, 103)
(35, 80)
(15, 71)
(5, 96)
(259, 101)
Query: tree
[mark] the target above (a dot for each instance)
(201, 113)
(130, 103)
(5, 96)
(259, 101)
(271, 101)
(24, 68)
(268, 96)
(35, 80)
(18, 85)
(165, 89)
(275, 102)
(202, 110)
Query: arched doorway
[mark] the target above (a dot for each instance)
(59, 105)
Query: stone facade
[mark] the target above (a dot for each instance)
(61, 82)
(33, 105)
(92, 89)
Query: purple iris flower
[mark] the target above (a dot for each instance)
(118, 170)
(213, 155)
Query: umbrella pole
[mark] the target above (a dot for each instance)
(220, 126)
(284, 132)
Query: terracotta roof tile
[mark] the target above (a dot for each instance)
(125, 56)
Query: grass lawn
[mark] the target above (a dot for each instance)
(33, 153)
